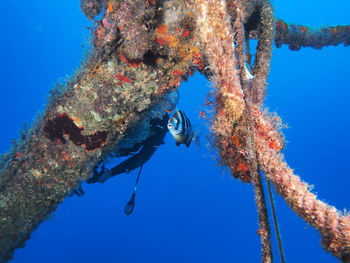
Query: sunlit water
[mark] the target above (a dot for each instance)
(187, 208)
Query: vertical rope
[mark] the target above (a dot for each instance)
(261, 67)
(277, 229)
(264, 230)
(216, 36)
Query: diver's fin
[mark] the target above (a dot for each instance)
(130, 205)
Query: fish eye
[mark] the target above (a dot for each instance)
(173, 121)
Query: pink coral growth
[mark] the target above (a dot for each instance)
(332, 224)
(91, 8)
(248, 139)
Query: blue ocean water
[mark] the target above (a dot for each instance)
(187, 208)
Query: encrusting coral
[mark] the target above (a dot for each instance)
(141, 51)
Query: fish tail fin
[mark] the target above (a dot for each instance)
(196, 140)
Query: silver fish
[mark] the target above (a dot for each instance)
(181, 129)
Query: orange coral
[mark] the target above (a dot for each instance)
(164, 37)
(109, 7)
(241, 167)
(236, 141)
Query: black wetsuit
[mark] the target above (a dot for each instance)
(149, 146)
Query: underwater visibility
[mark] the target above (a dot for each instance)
(189, 131)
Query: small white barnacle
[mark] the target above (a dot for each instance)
(96, 116)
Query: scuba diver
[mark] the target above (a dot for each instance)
(152, 129)
(141, 153)
(149, 146)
